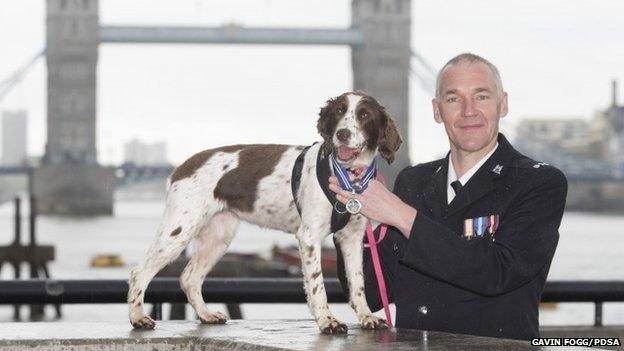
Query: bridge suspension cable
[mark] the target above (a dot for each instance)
(424, 72)
(7, 84)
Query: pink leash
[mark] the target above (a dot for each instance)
(372, 244)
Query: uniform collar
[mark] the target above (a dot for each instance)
(482, 182)
(452, 176)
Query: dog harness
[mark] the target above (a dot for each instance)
(340, 217)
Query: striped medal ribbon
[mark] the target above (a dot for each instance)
(353, 206)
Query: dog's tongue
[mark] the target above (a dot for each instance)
(345, 153)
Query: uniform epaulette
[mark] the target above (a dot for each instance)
(431, 164)
(427, 167)
(525, 162)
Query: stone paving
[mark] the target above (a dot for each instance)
(235, 335)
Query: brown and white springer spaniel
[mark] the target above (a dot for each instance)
(213, 190)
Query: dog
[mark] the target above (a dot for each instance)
(213, 190)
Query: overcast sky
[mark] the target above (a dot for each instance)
(557, 59)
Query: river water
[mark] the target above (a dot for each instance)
(590, 248)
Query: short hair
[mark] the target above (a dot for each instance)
(469, 58)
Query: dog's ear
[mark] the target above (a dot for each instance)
(326, 122)
(389, 140)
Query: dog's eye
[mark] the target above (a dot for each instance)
(364, 115)
(341, 109)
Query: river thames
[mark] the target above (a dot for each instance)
(590, 248)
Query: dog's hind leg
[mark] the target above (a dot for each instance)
(214, 238)
(178, 227)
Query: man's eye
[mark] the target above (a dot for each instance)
(452, 99)
(482, 97)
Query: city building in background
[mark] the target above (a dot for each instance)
(14, 138)
(140, 153)
(589, 151)
(613, 121)
(600, 138)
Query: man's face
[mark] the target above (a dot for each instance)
(470, 106)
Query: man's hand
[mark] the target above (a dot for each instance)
(379, 204)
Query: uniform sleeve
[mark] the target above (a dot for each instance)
(523, 244)
(388, 260)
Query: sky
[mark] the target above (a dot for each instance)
(556, 58)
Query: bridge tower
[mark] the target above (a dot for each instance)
(70, 180)
(381, 65)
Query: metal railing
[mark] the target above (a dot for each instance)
(253, 290)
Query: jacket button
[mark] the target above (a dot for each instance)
(422, 309)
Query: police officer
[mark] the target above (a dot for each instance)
(471, 236)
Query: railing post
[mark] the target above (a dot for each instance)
(157, 311)
(234, 310)
(18, 221)
(17, 241)
(36, 310)
(32, 220)
(598, 314)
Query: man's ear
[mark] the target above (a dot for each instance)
(326, 122)
(504, 106)
(389, 140)
(437, 116)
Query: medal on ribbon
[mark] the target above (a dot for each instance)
(353, 206)
(357, 186)
(479, 226)
(468, 233)
(492, 224)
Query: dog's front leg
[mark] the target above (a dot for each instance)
(350, 239)
(310, 253)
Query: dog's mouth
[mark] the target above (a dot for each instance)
(346, 154)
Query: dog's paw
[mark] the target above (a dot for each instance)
(331, 325)
(372, 322)
(144, 322)
(213, 318)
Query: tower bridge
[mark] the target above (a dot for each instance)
(70, 181)
(379, 38)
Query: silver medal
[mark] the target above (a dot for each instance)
(353, 206)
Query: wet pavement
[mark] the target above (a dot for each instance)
(236, 335)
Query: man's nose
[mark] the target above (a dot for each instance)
(469, 108)
(343, 135)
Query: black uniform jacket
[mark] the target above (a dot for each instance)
(489, 285)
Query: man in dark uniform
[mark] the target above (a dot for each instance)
(471, 236)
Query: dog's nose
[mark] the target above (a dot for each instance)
(343, 135)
